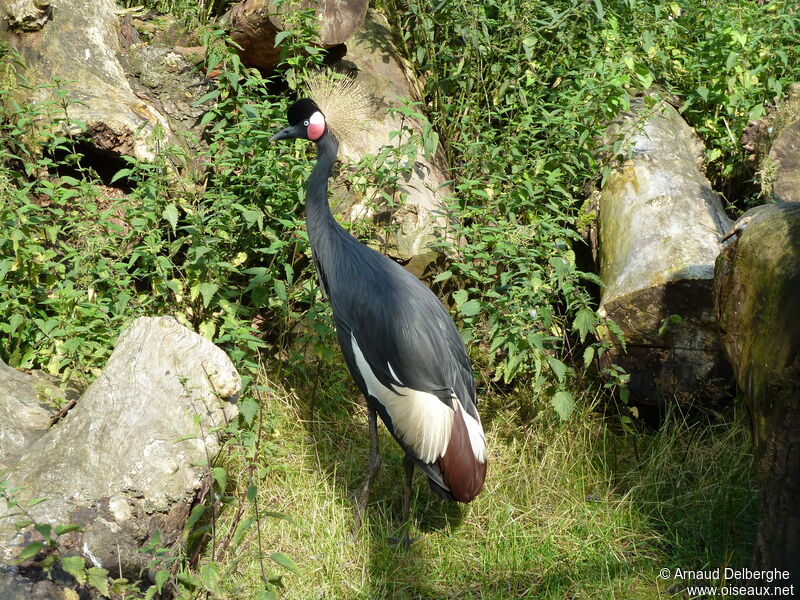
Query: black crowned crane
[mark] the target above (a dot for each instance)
(400, 344)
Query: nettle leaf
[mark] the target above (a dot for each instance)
(558, 368)
(584, 322)
(170, 213)
(284, 561)
(248, 408)
(470, 308)
(161, 578)
(75, 566)
(44, 529)
(563, 403)
(210, 578)
(588, 356)
(194, 517)
(30, 551)
(221, 477)
(97, 578)
(207, 291)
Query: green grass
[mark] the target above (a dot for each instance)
(570, 509)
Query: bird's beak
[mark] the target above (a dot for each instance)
(293, 131)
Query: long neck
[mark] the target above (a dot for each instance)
(318, 213)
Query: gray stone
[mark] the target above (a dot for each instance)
(128, 460)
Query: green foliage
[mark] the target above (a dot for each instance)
(521, 92)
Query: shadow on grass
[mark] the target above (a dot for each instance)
(336, 427)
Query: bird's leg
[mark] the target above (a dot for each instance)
(373, 464)
(405, 541)
(408, 463)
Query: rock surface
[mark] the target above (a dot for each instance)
(127, 461)
(412, 225)
(24, 418)
(78, 45)
(660, 230)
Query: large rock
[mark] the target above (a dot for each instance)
(128, 460)
(660, 230)
(76, 42)
(411, 225)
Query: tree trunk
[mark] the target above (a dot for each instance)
(660, 229)
(255, 23)
(757, 295)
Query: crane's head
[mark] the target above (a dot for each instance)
(306, 121)
(336, 105)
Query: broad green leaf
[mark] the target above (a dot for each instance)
(45, 529)
(62, 529)
(221, 477)
(281, 36)
(210, 577)
(563, 403)
(97, 578)
(170, 213)
(584, 322)
(75, 566)
(207, 290)
(558, 367)
(194, 517)
(248, 409)
(161, 578)
(30, 551)
(588, 356)
(284, 561)
(470, 308)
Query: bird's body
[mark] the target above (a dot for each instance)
(400, 344)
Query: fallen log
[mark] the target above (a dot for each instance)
(757, 294)
(780, 171)
(660, 226)
(254, 25)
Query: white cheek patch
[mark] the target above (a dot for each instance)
(420, 419)
(316, 126)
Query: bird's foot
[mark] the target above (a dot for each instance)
(403, 542)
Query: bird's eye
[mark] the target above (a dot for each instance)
(306, 122)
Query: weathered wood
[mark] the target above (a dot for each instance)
(660, 229)
(255, 23)
(757, 295)
(128, 459)
(780, 171)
